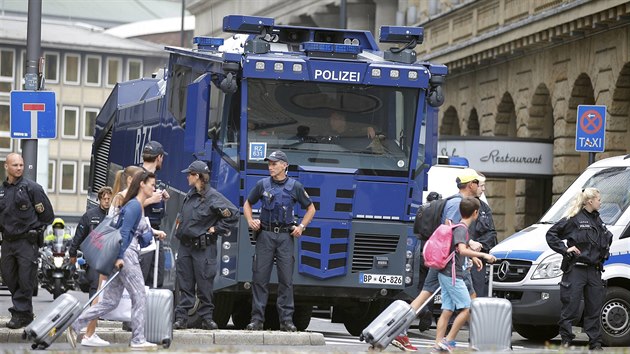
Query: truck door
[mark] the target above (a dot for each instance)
(196, 137)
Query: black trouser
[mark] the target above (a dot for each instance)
(19, 268)
(92, 276)
(147, 264)
(196, 269)
(269, 245)
(480, 280)
(582, 282)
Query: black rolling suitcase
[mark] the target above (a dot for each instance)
(57, 317)
(396, 318)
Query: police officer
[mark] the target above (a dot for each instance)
(587, 247)
(483, 231)
(276, 229)
(153, 156)
(89, 221)
(205, 214)
(24, 212)
(58, 227)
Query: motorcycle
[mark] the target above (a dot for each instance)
(56, 272)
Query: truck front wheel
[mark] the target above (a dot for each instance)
(359, 315)
(615, 317)
(536, 333)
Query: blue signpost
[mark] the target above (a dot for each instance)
(33, 115)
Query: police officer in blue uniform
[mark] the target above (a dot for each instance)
(153, 155)
(205, 214)
(276, 229)
(25, 211)
(587, 248)
(89, 221)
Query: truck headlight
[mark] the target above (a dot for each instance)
(549, 267)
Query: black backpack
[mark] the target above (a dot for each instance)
(429, 217)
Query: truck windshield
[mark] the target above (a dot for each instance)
(334, 125)
(614, 187)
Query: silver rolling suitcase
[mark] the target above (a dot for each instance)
(395, 319)
(491, 322)
(158, 318)
(56, 318)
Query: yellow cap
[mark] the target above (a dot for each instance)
(467, 175)
(59, 221)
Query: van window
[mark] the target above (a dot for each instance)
(614, 186)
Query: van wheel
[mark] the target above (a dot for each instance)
(536, 333)
(615, 317)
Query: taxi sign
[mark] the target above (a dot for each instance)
(590, 128)
(33, 115)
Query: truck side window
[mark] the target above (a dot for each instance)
(179, 81)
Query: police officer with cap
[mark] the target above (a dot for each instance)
(587, 248)
(205, 214)
(153, 155)
(24, 212)
(89, 221)
(276, 229)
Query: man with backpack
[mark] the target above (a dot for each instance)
(431, 215)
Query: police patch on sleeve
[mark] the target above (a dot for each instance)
(226, 212)
(39, 208)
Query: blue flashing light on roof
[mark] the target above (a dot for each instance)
(321, 47)
(246, 24)
(208, 43)
(458, 161)
(401, 34)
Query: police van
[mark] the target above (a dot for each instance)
(528, 271)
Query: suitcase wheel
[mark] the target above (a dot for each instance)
(40, 346)
(166, 343)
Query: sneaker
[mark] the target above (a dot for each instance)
(402, 343)
(143, 346)
(94, 341)
(71, 336)
(447, 345)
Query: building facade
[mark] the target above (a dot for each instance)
(82, 65)
(518, 70)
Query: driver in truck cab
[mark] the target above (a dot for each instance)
(587, 247)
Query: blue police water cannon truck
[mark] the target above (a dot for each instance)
(359, 127)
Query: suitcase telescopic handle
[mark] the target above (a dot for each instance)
(99, 291)
(490, 277)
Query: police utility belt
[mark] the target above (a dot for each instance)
(278, 228)
(587, 265)
(31, 235)
(200, 242)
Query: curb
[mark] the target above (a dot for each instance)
(194, 336)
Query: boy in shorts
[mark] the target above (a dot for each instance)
(456, 296)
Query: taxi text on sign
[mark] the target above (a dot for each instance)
(33, 115)
(590, 128)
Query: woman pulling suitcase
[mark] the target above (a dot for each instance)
(132, 228)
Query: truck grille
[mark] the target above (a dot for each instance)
(366, 247)
(101, 158)
(510, 270)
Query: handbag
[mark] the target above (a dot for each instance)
(101, 247)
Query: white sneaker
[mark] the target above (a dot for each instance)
(94, 341)
(143, 346)
(71, 336)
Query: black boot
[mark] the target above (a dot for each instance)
(255, 326)
(180, 323)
